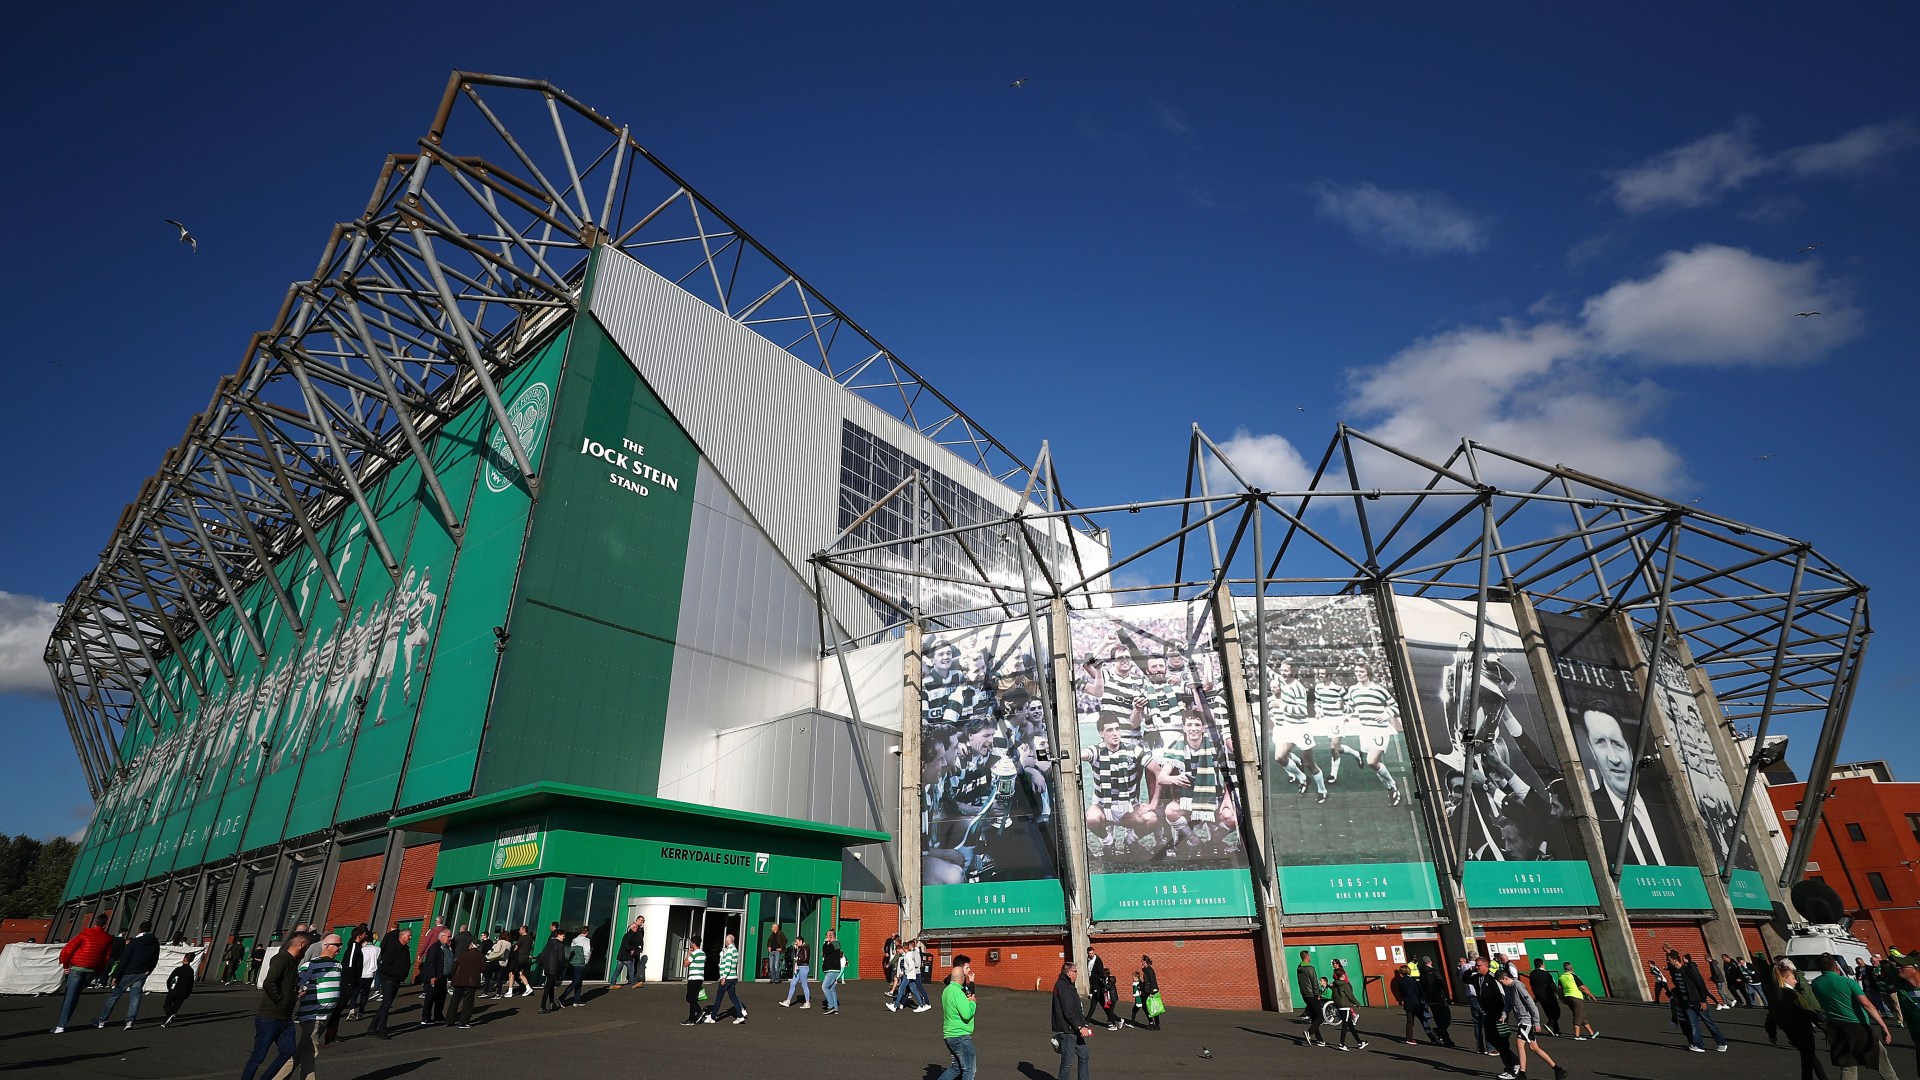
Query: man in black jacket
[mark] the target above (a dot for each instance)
(273, 1020)
(1493, 1007)
(436, 967)
(396, 959)
(632, 944)
(1546, 991)
(137, 961)
(1307, 978)
(1070, 1027)
(1101, 989)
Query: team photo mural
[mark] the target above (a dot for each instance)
(1347, 834)
(989, 846)
(1509, 783)
(1156, 759)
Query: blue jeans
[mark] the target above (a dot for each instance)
(799, 982)
(133, 985)
(729, 990)
(1695, 1015)
(280, 1034)
(76, 978)
(628, 969)
(1072, 1048)
(910, 988)
(962, 1067)
(829, 985)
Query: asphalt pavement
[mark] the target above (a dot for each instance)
(636, 1032)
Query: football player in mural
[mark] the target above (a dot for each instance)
(1371, 710)
(1293, 737)
(1191, 787)
(1117, 815)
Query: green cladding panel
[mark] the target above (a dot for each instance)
(583, 684)
(446, 740)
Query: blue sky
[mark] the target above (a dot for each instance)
(1572, 232)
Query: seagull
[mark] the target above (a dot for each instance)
(1810, 247)
(1805, 314)
(1016, 84)
(185, 236)
(1205, 1053)
(1764, 457)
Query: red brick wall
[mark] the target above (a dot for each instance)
(1653, 937)
(13, 930)
(413, 896)
(877, 923)
(353, 892)
(1756, 942)
(1888, 847)
(1203, 970)
(1022, 960)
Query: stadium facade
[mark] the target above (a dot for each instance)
(559, 554)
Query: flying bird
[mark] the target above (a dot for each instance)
(185, 236)
(1764, 457)
(1810, 247)
(1805, 314)
(1016, 84)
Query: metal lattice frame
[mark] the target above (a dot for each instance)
(1779, 630)
(471, 249)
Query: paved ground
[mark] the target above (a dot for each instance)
(635, 1032)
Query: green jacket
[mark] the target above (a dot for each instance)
(956, 1011)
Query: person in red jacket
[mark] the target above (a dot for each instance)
(83, 958)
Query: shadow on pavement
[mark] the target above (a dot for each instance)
(69, 1059)
(388, 1072)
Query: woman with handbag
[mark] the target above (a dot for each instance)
(1349, 1006)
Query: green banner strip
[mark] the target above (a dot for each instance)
(1358, 887)
(1173, 894)
(1543, 883)
(1663, 888)
(998, 903)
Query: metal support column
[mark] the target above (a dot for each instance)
(1275, 989)
(1073, 821)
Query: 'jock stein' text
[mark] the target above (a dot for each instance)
(627, 465)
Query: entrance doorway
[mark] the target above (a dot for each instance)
(716, 924)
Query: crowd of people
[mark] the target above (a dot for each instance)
(1836, 1014)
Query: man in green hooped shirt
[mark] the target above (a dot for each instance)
(956, 1018)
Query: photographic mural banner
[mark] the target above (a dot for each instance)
(1157, 765)
(1346, 828)
(988, 841)
(1518, 842)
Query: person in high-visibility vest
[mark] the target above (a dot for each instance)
(1576, 995)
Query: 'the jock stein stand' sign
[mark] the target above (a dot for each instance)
(517, 848)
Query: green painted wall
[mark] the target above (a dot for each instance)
(337, 705)
(584, 680)
(446, 740)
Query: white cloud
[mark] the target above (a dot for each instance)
(1574, 391)
(1855, 152)
(1721, 305)
(1691, 175)
(1423, 222)
(25, 624)
(1269, 462)
(1702, 171)
(1169, 119)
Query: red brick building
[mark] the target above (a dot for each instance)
(1867, 849)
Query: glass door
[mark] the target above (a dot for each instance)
(716, 925)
